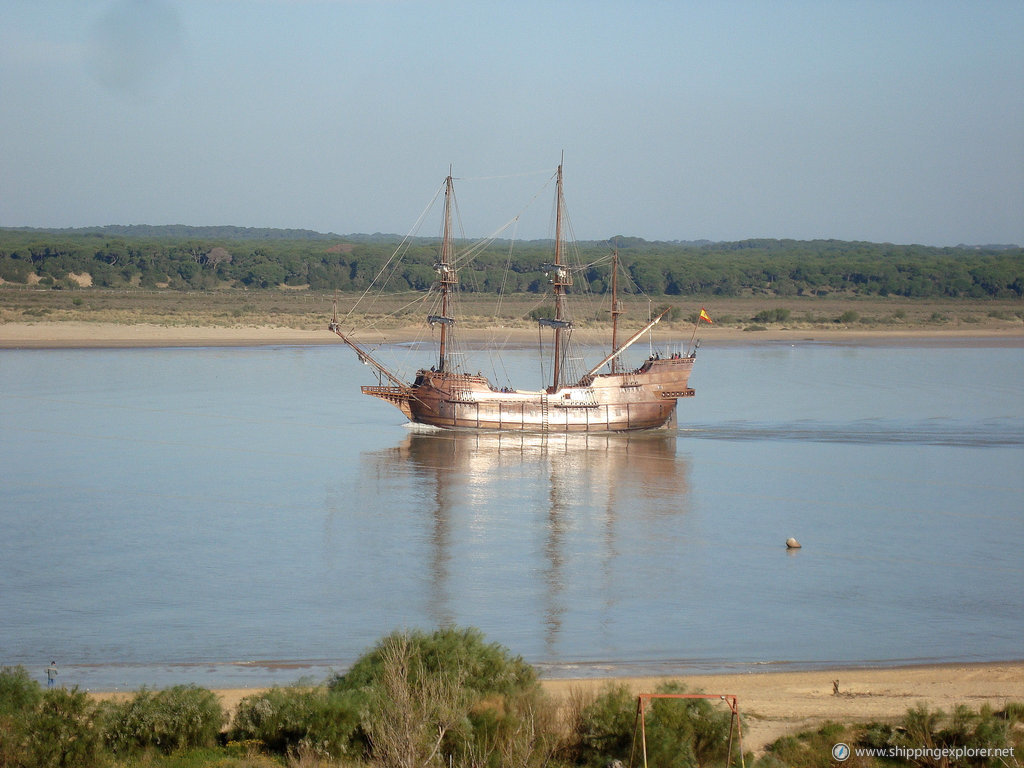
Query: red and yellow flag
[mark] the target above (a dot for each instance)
(705, 316)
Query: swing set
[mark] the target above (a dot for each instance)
(642, 702)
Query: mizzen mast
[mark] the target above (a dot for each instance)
(628, 343)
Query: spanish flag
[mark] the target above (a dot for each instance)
(704, 316)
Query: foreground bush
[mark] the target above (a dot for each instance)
(921, 728)
(297, 720)
(678, 731)
(602, 729)
(687, 731)
(18, 691)
(427, 699)
(482, 667)
(170, 719)
(56, 729)
(808, 749)
(963, 728)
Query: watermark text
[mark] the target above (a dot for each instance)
(842, 752)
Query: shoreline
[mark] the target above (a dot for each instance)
(85, 335)
(775, 704)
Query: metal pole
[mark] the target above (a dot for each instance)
(636, 722)
(643, 733)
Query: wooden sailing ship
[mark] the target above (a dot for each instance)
(604, 399)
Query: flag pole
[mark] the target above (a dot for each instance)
(702, 315)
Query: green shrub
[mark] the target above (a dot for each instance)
(779, 315)
(674, 312)
(12, 738)
(877, 736)
(18, 691)
(483, 668)
(848, 317)
(604, 729)
(692, 730)
(60, 731)
(449, 693)
(721, 319)
(170, 719)
(808, 749)
(1013, 712)
(678, 730)
(923, 727)
(38, 729)
(213, 757)
(297, 718)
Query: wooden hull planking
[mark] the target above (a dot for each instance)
(617, 402)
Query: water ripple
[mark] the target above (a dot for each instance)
(992, 433)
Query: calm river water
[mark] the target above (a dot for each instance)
(243, 516)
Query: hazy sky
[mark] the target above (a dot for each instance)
(895, 121)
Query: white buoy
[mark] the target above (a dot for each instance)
(792, 543)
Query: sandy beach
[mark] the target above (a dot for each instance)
(774, 704)
(778, 703)
(77, 334)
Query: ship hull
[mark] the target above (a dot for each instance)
(619, 402)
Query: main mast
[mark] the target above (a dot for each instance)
(559, 285)
(560, 281)
(448, 276)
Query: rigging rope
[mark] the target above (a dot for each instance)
(506, 176)
(401, 245)
(462, 258)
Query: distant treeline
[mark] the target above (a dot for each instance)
(196, 258)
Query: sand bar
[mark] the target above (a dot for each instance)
(86, 335)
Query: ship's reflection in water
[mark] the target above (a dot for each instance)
(528, 528)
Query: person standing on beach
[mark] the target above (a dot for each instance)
(51, 674)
